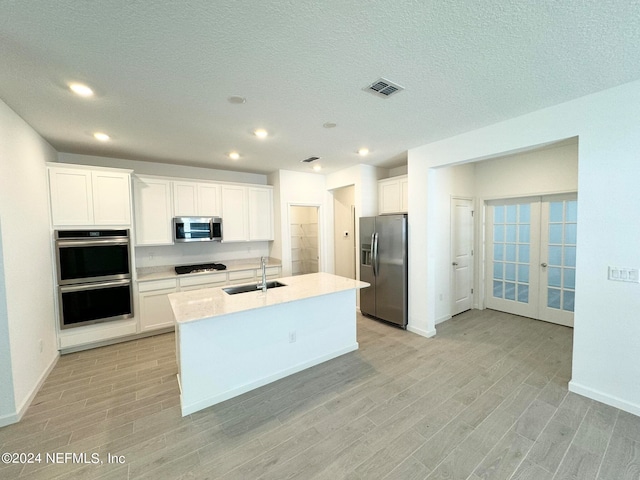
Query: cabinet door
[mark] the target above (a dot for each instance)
(152, 207)
(235, 222)
(111, 198)
(404, 195)
(209, 200)
(155, 310)
(71, 196)
(185, 199)
(260, 213)
(389, 197)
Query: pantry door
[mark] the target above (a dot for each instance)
(531, 253)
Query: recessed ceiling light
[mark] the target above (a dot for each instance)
(329, 125)
(103, 137)
(237, 99)
(363, 151)
(260, 133)
(317, 168)
(80, 89)
(234, 155)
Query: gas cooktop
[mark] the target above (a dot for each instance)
(201, 267)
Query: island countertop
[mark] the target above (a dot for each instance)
(213, 302)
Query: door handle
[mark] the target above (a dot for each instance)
(543, 265)
(455, 264)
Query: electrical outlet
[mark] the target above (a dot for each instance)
(292, 336)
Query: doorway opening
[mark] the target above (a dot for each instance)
(303, 225)
(344, 221)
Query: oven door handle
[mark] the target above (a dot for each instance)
(90, 243)
(93, 286)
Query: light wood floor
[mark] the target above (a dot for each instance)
(485, 399)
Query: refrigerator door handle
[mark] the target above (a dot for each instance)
(374, 249)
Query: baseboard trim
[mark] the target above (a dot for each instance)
(599, 396)
(199, 405)
(22, 409)
(113, 341)
(420, 331)
(443, 319)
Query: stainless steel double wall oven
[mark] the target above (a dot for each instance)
(94, 276)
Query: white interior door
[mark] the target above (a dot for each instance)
(462, 255)
(530, 257)
(512, 253)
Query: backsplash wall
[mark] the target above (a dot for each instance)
(198, 252)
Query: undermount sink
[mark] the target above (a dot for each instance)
(251, 288)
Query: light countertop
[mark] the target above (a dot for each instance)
(212, 302)
(168, 271)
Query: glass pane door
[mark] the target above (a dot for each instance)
(558, 259)
(511, 229)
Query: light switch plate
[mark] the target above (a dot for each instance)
(624, 274)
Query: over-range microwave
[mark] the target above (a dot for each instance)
(197, 229)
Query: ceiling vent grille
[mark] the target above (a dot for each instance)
(310, 159)
(384, 88)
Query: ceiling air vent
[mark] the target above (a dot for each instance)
(384, 88)
(310, 159)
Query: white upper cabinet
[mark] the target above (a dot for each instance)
(393, 195)
(153, 212)
(235, 219)
(209, 201)
(196, 199)
(185, 199)
(260, 213)
(247, 213)
(82, 196)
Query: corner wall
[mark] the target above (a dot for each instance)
(28, 268)
(606, 360)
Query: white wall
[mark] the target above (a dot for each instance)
(28, 270)
(553, 169)
(606, 358)
(456, 181)
(298, 188)
(7, 400)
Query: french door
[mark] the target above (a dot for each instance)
(531, 257)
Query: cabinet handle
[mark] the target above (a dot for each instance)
(455, 264)
(543, 265)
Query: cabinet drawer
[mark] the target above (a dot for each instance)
(272, 272)
(152, 285)
(242, 276)
(213, 279)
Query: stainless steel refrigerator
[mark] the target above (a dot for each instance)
(383, 264)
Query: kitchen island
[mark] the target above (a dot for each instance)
(230, 344)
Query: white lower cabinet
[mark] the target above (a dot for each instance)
(155, 309)
(242, 276)
(203, 281)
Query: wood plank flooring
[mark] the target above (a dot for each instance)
(485, 399)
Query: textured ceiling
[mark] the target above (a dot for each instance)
(163, 72)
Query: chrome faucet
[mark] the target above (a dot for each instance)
(263, 266)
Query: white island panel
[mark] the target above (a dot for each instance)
(222, 355)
